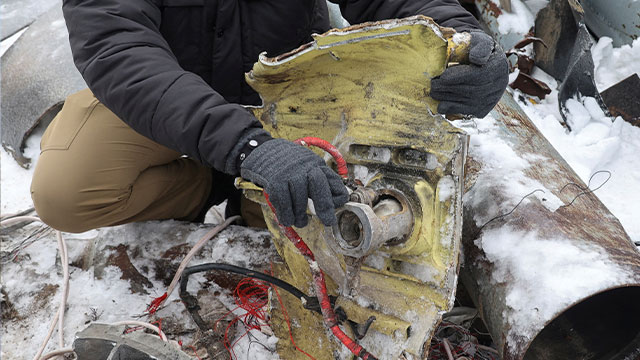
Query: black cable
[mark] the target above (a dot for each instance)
(308, 302)
(191, 302)
(242, 271)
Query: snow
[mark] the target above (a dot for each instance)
(15, 181)
(536, 5)
(519, 20)
(6, 44)
(101, 294)
(446, 188)
(614, 64)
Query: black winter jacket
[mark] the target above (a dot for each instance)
(174, 69)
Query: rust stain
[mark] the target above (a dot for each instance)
(120, 259)
(178, 251)
(530, 86)
(226, 281)
(493, 9)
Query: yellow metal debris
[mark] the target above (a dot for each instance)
(366, 90)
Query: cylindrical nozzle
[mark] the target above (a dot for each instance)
(362, 229)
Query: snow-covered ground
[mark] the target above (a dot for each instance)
(596, 143)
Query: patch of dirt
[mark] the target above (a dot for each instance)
(225, 280)
(165, 270)
(120, 258)
(177, 252)
(9, 312)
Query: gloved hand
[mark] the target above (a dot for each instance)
(290, 174)
(476, 88)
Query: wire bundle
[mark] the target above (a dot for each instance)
(455, 342)
(252, 296)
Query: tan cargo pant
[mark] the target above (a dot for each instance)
(95, 171)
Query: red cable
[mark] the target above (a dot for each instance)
(155, 303)
(251, 295)
(319, 283)
(195, 351)
(328, 147)
(286, 319)
(320, 286)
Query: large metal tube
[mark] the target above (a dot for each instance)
(554, 273)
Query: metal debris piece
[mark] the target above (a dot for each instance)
(530, 86)
(619, 19)
(528, 40)
(506, 5)
(109, 342)
(18, 14)
(351, 87)
(37, 75)
(567, 54)
(623, 99)
(489, 12)
(524, 81)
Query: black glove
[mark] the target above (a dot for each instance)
(290, 174)
(476, 88)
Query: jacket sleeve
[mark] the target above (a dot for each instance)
(445, 12)
(118, 49)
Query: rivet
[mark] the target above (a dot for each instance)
(253, 143)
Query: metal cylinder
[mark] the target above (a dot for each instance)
(363, 229)
(552, 271)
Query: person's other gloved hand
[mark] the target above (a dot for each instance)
(290, 174)
(476, 88)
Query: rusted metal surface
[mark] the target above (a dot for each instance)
(579, 319)
(531, 86)
(622, 99)
(619, 19)
(524, 81)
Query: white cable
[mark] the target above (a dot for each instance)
(447, 348)
(210, 234)
(143, 324)
(17, 219)
(65, 290)
(56, 353)
(52, 327)
(59, 316)
(487, 348)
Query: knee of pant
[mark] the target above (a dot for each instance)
(58, 205)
